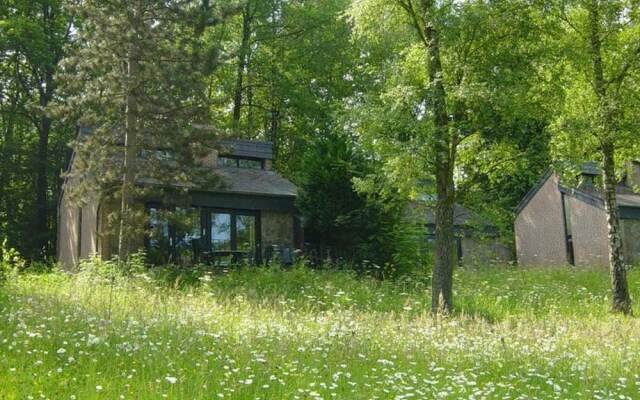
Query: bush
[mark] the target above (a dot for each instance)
(10, 261)
(99, 270)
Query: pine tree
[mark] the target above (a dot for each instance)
(136, 83)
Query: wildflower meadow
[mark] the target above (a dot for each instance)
(271, 333)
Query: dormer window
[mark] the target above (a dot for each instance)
(240, 162)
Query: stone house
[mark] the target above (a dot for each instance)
(476, 241)
(559, 224)
(247, 217)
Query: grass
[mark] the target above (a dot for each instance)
(302, 334)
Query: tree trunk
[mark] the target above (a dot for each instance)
(621, 302)
(242, 66)
(42, 207)
(130, 155)
(442, 278)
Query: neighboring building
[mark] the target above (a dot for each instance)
(558, 224)
(246, 217)
(477, 241)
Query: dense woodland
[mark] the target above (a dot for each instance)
(369, 104)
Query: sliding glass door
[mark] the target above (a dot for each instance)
(188, 235)
(233, 235)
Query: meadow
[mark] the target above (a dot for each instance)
(268, 333)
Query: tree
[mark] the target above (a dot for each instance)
(443, 70)
(136, 81)
(341, 220)
(273, 90)
(602, 62)
(35, 35)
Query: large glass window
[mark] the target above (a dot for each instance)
(159, 238)
(233, 236)
(220, 231)
(173, 235)
(249, 163)
(187, 235)
(246, 233)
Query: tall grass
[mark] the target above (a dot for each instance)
(303, 334)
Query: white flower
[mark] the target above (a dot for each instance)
(171, 379)
(92, 340)
(98, 388)
(61, 350)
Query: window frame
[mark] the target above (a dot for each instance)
(236, 160)
(233, 213)
(206, 245)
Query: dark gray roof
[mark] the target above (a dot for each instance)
(257, 182)
(461, 215)
(254, 182)
(247, 148)
(624, 197)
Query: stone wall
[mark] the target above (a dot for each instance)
(277, 229)
(539, 228)
(589, 232)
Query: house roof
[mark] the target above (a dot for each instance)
(247, 148)
(461, 215)
(624, 196)
(254, 182)
(628, 201)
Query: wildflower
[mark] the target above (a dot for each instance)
(61, 350)
(171, 379)
(98, 388)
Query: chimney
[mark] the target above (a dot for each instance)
(589, 172)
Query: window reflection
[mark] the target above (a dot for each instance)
(220, 231)
(159, 238)
(239, 162)
(186, 222)
(245, 233)
(179, 236)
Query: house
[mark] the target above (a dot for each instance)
(477, 241)
(247, 216)
(558, 224)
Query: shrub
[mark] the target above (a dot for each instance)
(10, 261)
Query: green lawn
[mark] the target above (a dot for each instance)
(271, 334)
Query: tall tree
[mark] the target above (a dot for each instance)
(602, 62)
(35, 35)
(136, 81)
(443, 68)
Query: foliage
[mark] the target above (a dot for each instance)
(358, 227)
(10, 261)
(271, 333)
(598, 118)
(135, 86)
(34, 36)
